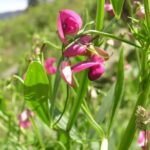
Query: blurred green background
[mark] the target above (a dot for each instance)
(19, 35)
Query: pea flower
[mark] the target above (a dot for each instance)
(23, 118)
(78, 48)
(143, 138)
(108, 7)
(68, 23)
(66, 73)
(141, 12)
(50, 69)
(95, 66)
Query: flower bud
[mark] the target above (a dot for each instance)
(68, 23)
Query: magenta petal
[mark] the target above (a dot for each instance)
(69, 13)
(74, 50)
(50, 69)
(96, 71)
(83, 65)
(25, 124)
(60, 30)
(85, 39)
(66, 73)
(108, 7)
(141, 139)
(68, 23)
(97, 58)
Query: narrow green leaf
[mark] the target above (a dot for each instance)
(117, 7)
(107, 102)
(81, 91)
(92, 121)
(100, 14)
(36, 87)
(147, 13)
(118, 93)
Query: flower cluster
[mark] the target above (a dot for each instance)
(24, 118)
(50, 69)
(69, 23)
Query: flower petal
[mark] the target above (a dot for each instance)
(141, 139)
(60, 30)
(69, 13)
(66, 73)
(83, 65)
(74, 50)
(50, 69)
(68, 23)
(96, 72)
(86, 39)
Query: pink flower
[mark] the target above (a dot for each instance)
(108, 7)
(24, 121)
(141, 139)
(68, 23)
(78, 48)
(140, 12)
(96, 71)
(50, 69)
(95, 66)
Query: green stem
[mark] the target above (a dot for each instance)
(65, 106)
(36, 131)
(93, 123)
(100, 14)
(147, 13)
(81, 91)
(55, 89)
(52, 45)
(111, 36)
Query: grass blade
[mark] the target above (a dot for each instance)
(100, 14)
(117, 7)
(118, 88)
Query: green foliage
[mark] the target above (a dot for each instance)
(117, 7)
(100, 14)
(119, 88)
(36, 88)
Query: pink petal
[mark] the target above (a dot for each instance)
(70, 26)
(83, 65)
(141, 139)
(50, 69)
(97, 58)
(25, 124)
(74, 50)
(66, 73)
(69, 13)
(68, 23)
(108, 7)
(96, 72)
(85, 39)
(60, 30)
(140, 12)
